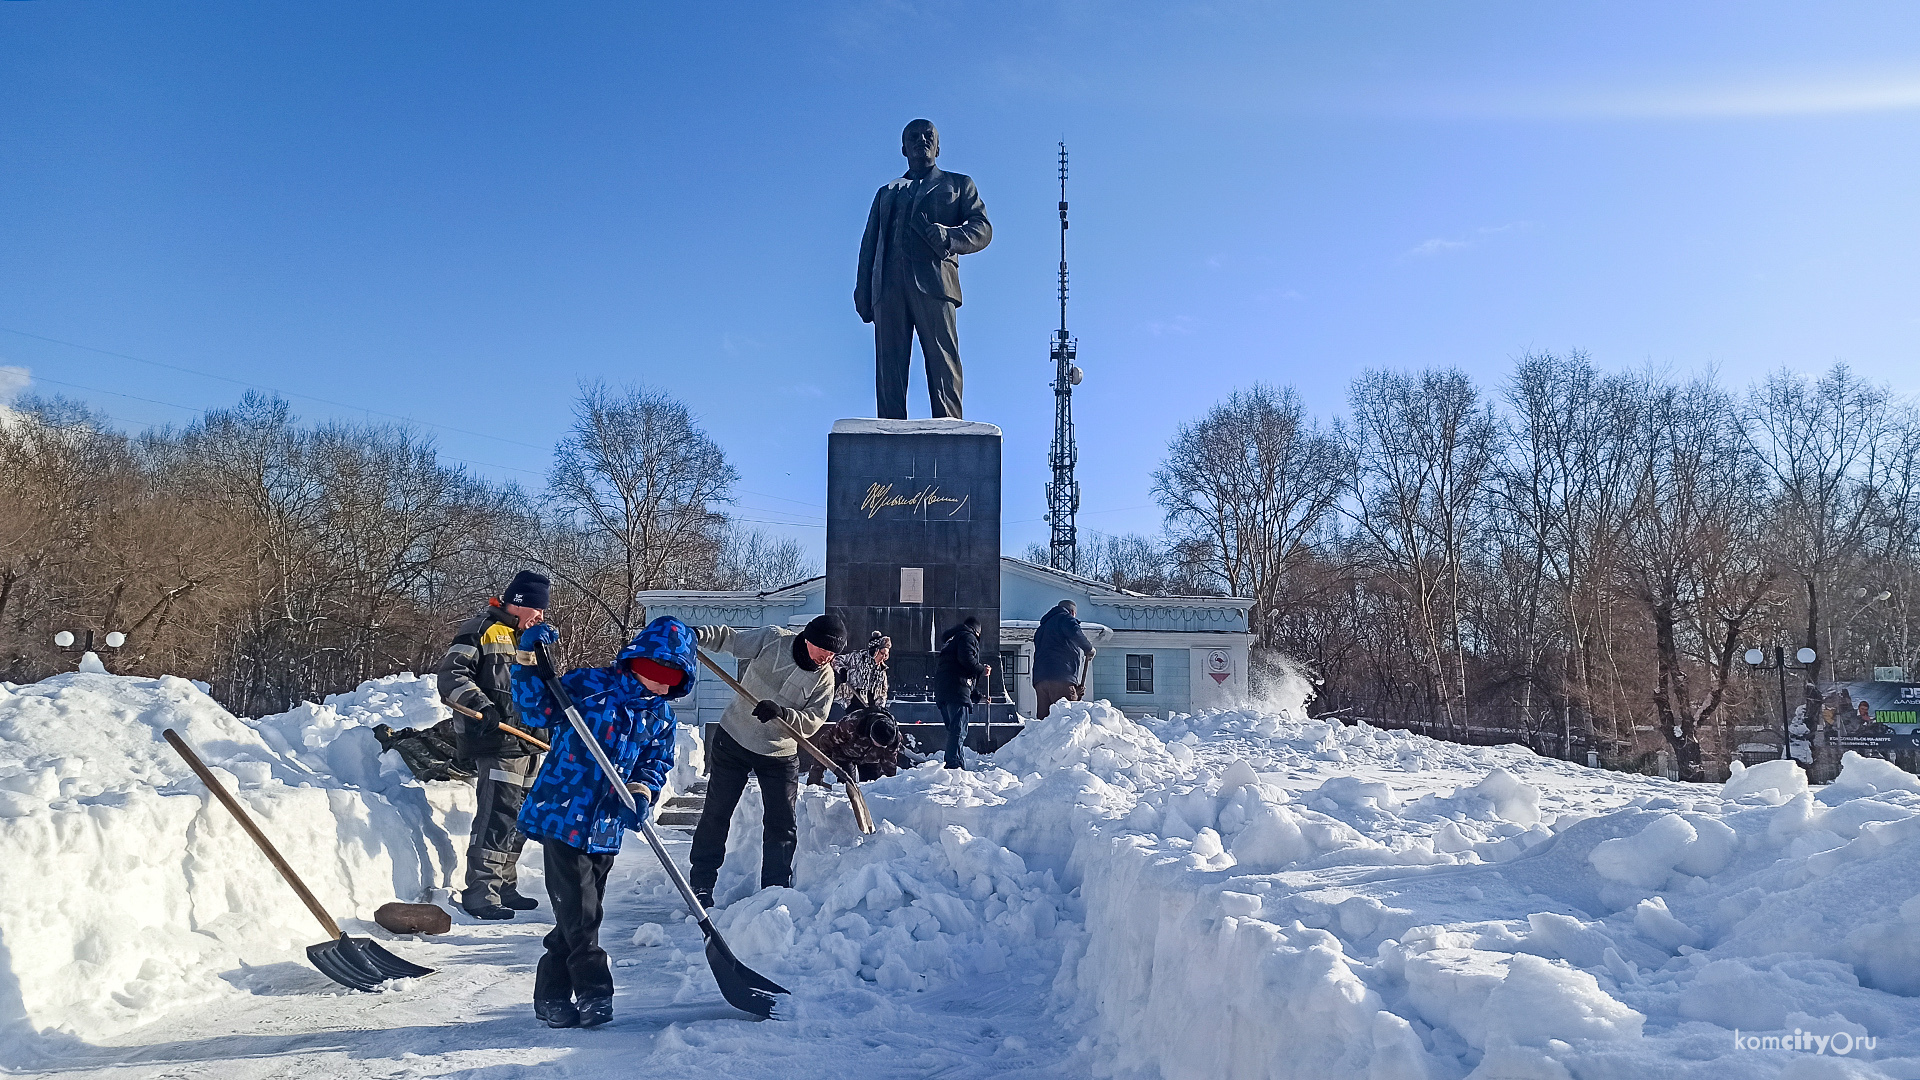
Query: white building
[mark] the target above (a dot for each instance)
(1155, 654)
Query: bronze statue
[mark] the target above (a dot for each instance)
(910, 276)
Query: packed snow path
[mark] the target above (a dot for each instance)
(473, 1018)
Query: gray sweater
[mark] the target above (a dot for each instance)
(771, 673)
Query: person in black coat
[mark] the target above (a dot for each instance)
(1060, 655)
(953, 680)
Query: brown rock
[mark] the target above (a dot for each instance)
(414, 918)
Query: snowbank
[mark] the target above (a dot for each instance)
(125, 890)
(1242, 893)
(1306, 900)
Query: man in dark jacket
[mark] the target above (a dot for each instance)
(953, 677)
(476, 681)
(575, 814)
(1061, 652)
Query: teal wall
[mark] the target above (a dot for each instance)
(1171, 670)
(1021, 597)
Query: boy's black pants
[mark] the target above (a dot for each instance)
(574, 965)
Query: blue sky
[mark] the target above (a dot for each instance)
(455, 212)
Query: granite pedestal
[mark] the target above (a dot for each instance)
(913, 539)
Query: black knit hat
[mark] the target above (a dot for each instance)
(529, 589)
(827, 632)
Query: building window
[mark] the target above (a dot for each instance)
(1139, 673)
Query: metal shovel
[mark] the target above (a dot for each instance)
(744, 988)
(360, 963)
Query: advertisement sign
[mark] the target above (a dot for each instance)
(1870, 716)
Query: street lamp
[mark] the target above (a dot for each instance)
(1757, 660)
(65, 639)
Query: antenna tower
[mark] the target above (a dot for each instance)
(1063, 491)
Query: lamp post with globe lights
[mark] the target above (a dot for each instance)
(65, 640)
(1757, 660)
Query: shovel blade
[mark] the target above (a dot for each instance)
(744, 988)
(360, 964)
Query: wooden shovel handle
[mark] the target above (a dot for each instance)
(750, 699)
(862, 817)
(246, 822)
(508, 728)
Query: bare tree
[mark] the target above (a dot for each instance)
(639, 485)
(1694, 547)
(1424, 450)
(1244, 488)
(1830, 447)
(1565, 495)
(756, 559)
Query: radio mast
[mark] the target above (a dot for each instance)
(1063, 492)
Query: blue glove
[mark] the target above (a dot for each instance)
(537, 633)
(642, 802)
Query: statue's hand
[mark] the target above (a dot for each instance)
(936, 235)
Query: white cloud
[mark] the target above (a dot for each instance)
(1807, 95)
(1441, 244)
(13, 380)
(1437, 245)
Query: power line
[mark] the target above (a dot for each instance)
(264, 386)
(200, 412)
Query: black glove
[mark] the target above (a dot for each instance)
(766, 711)
(489, 721)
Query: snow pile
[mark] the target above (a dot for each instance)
(1240, 893)
(1310, 900)
(158, 891)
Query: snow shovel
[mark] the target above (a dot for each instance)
(744, 988)
(861, 816)
(359, 963)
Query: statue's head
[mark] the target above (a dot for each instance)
(920, 142)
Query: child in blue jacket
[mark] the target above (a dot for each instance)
(573, 810)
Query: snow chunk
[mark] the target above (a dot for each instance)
(1691, 843)
(1513, 799)
(1495, 998)
(159, 891)
(1869, 776)
(1784, 778)
(1093, 735)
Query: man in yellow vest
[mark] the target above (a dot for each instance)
(476, 677)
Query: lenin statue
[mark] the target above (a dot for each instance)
(910, 276)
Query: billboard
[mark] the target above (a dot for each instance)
(1871, 716)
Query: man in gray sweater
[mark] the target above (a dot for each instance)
(791, 675)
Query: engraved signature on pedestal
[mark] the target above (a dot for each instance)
(925, 501)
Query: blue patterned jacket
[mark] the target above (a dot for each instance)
(571, 801)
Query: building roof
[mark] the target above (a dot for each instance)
(1028, 590)
(1105, 593)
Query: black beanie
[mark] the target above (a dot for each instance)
(529, 589)
(827, 632)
